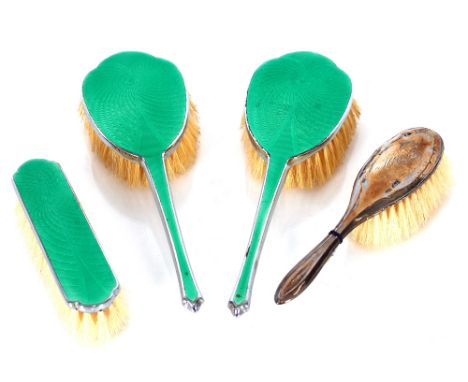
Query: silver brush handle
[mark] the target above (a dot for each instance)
(300, 277)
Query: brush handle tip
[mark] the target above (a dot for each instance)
(238, 309)
(193, 305)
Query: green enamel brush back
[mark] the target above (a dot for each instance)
(69, 243)
(137, 101)
(294, 102)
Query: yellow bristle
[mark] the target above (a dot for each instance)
(32, 244)
(88, 327)
(409, 215)
(315, 170)
(131, 171)
(100, 326)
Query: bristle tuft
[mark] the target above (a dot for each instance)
(315, 170)
(131, 171)
(100, 326)
(88, 327)
(402, 220)
(32, 244)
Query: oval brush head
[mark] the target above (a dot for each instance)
(296, 105)
(408, 216)
(398, 187)
(315, 170)
(131, 171)
(137, 109)
(66, 253)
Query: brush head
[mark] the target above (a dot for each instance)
(66, 252)
(299, 111)
(405, 218)
(135, 107)
(315, 170)
(397, 189)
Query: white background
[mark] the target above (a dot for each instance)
(389, 315)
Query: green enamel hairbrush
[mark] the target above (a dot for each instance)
(142, 124)
(299, 118)
(67, 251)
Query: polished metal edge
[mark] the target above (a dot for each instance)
(193, 306)
(238, 309)
(173, 146)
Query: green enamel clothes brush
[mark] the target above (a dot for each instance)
(67, 251)
(299, 116)
(142, 124)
